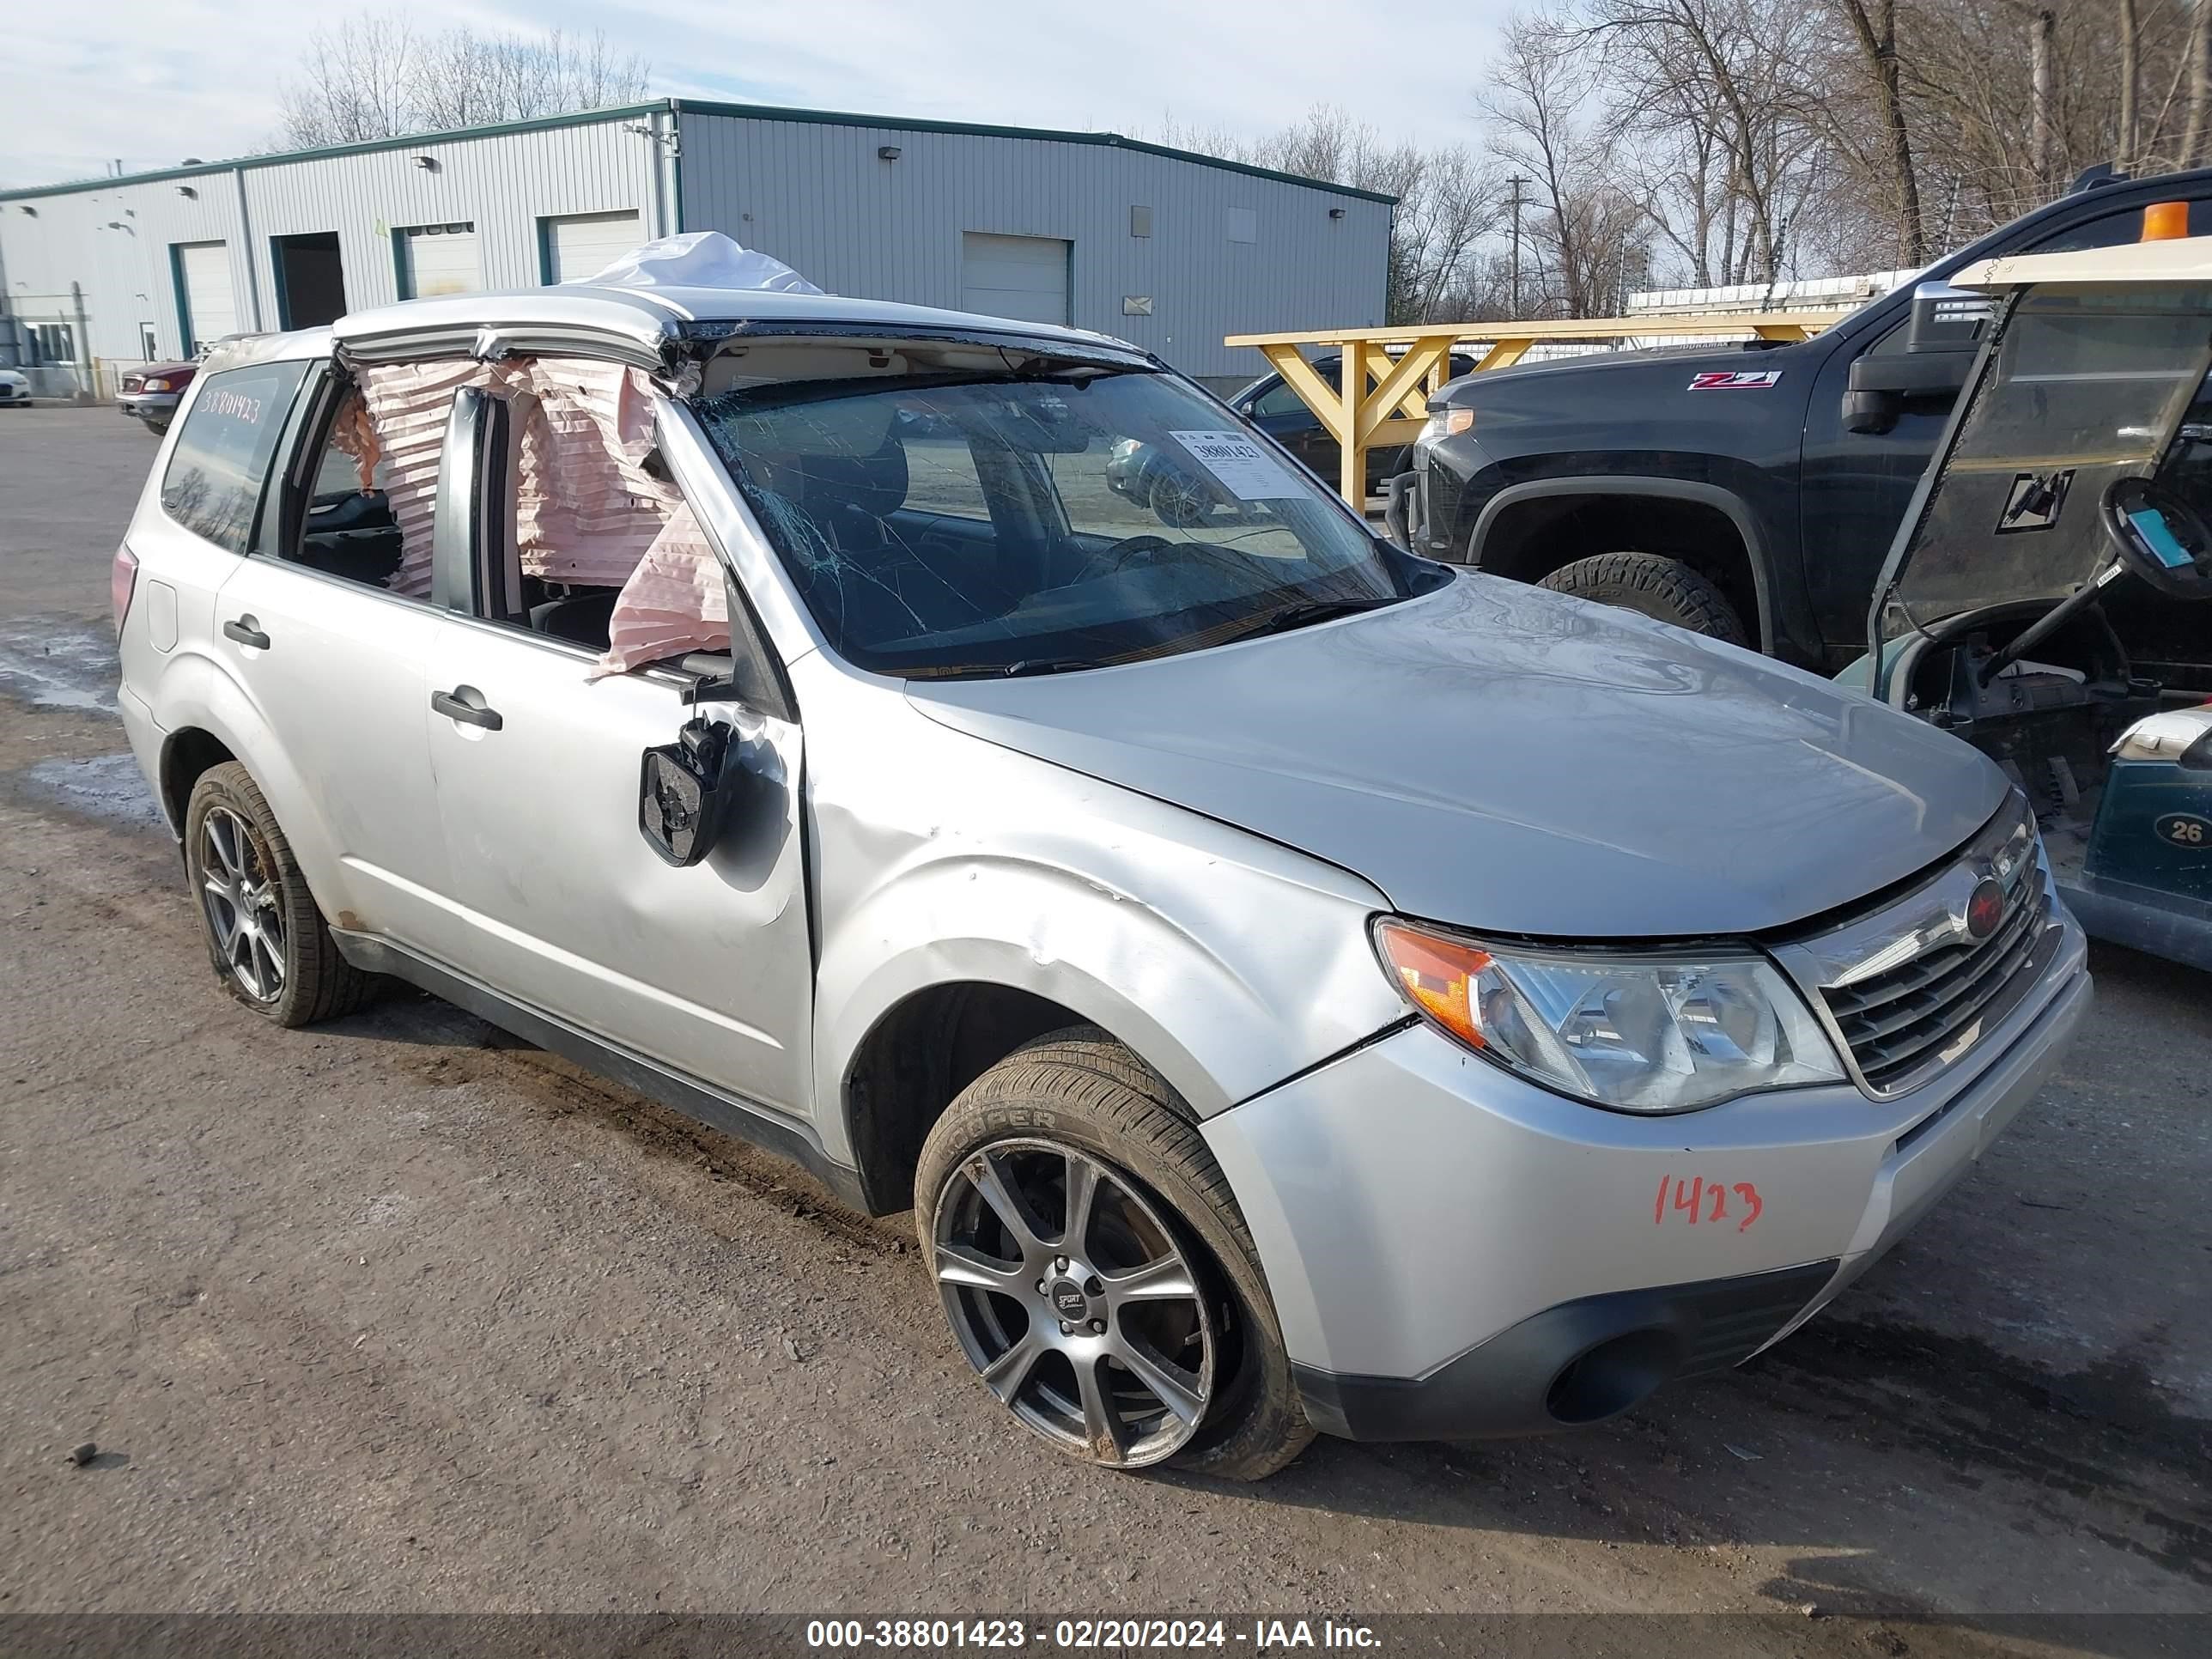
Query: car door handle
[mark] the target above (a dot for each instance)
(245, 633)
(452, 707)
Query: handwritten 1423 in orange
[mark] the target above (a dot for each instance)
(1700, 1199)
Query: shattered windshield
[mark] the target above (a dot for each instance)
(2086, 386)
(977, 523)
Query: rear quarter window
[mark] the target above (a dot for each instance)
(221, 459)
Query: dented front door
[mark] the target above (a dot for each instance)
(707, 968)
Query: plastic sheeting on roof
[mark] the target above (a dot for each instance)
(700, 259)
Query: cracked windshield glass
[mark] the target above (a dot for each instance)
(957, 525)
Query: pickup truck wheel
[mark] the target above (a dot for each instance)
(1096, 1269)
(1652, 585)
(268, 940)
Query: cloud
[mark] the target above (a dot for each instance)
(150, 82)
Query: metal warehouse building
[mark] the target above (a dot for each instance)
(1162, 247)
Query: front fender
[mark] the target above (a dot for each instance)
(1226, 962)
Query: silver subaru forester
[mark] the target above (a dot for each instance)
(1294, 985)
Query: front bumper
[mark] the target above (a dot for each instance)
(1454, 1253)
(139, 406)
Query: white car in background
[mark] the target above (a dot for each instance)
(15, 388)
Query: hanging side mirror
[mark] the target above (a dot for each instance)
(683, 793)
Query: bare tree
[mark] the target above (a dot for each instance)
(1874, 28)
(1543, 107)
(374, 77)
(1448, 199)
(2200, 84)
(1716, 77)
(2130, 76)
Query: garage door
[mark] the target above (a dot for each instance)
(1022, 276)
(584, 244)
(204, 296)
(439, 260)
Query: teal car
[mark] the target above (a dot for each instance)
(2044, 598)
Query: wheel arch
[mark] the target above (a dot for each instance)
(218, 722)
(1509, 538)
(924, 1040)
(187, 754)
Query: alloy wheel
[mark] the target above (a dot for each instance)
(245, 905)
(1076, 1302)
(1179, 500)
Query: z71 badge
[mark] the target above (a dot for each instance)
(1735, 380)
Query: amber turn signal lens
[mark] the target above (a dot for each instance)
(2165, 221)
(1436, 976)
(1457, 421)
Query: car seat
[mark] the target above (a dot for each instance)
(878, 587)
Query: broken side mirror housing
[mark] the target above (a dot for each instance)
(683, 793)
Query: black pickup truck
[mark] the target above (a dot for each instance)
(1748, 491)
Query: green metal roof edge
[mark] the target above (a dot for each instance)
(367, 146)
(694, 107)
(1109, 140)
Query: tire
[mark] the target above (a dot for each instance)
(1653, 585)
(1078, 1096)
(158, 429)
(277, 958)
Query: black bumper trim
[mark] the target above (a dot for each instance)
(1577, 1363)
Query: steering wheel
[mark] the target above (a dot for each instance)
(2160, 537)
(1107, 560)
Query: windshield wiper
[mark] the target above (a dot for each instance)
(1004, 671)
(1305, 613)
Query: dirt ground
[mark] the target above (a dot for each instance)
(397, 1314)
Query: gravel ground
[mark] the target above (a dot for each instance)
(397, 1314)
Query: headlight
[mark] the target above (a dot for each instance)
(154, 386)
(1656, 1032)
(1445, 423)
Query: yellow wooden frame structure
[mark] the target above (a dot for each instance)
(1387, 403)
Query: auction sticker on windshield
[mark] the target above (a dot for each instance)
(1243, 469)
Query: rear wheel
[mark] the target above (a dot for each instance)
(1096, 1270)
(1652, 585)
(269, 942)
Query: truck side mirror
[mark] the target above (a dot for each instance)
(1946, 319)
(1941, 339)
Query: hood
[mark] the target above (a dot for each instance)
(166, 371)
(1499, 757)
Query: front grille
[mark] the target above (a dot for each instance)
(1895, 1021)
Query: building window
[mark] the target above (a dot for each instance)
(1140, 221)
(1244, 224)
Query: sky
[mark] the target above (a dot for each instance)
(152, 81)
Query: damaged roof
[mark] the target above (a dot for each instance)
(651, 319)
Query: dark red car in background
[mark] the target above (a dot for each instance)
(150, 393)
